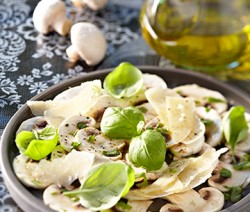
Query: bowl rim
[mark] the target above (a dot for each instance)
(25, 198)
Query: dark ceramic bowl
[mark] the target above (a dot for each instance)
(30, 200)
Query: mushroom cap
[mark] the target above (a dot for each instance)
(96, 4)
(45, 12)
(89, 42)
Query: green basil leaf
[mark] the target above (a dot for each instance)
(104, 185)
(236, 194)
(124, 81)
(225, 173)
(215, 100)
(47, 133)
(39, 149)
(122, 206)
(235, 126)
(148, 150)
(122, 123)
(242, 165)
(23, 140)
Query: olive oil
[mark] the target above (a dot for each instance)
(207, 39)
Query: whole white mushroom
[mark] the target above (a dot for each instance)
(93, 4)
(88, 42)
(50, 15)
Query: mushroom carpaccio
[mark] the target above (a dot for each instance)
(202, 169)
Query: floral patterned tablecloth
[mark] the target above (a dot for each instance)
(31, 62)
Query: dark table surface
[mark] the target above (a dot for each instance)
(31, 62)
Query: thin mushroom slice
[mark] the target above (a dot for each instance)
(204, 96)
(138, 205)
(91, 140)
(34, 123)
(206, 200)
(213, 123)
(54, 198)
(69, 127)
(238, 178)
(74, 165)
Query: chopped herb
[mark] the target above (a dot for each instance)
(111, 153)
(144, 183)
(73, 133)
(54, 193)
(207, 122)
(81, 125)
(197, 102)
(172, 170)
(75, 144)
(91, 138)
(143, 109)
(122, 206)
(215, 100)
(179, 92)
(225, 173)
(207, 109)
(233, 194)
(75, 199)
(242, 165)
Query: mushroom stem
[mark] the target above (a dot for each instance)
(61, 24)
(72, 54)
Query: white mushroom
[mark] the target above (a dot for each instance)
(91, 140)
(34, 123)
(50, 15)
(54, 198)
(238, 178)
(138, 205)
(207, 200)
(88, 42)
(93, 4)
(204, 96)
(41, 174)
(69, 127)
(213, 123)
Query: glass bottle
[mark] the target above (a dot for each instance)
(198, 34)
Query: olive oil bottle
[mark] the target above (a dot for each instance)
(197, 34)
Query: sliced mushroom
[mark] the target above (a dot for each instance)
(148, 111)
(213, 123)
(88, 43)
(69, 128)
(238, 178)
(171, 208)
(92, 140)
(54, 198)
(204, 96)
(34, 123)
(50, 15)
(138, 205)
(207, 200)
(74, 165)
(181, 175)
(191, 145)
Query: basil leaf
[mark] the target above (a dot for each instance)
(104, 185)
(47, 133)
(23, 139)
(242, 165)
(122, 123)
(124, 81)
(39, 149)
(148, 150)
(215, 100)
(225, 173)
(235, 126)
